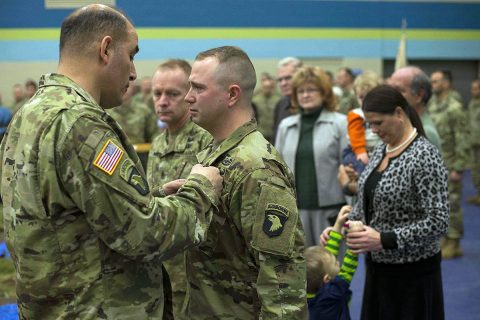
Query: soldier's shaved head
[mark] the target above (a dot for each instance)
(234, 67)
(85, 27)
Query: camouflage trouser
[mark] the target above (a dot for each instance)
(476, 167)
(178, 278)
(455, 228)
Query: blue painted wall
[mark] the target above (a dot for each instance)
(262, 13)
(436, 30)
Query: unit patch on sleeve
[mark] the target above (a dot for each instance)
(129, 173)
(109, 157)
(138, 182)
(275, 218)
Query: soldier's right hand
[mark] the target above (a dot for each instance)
(212, 174)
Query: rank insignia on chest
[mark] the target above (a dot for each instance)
(109, 157)
(275, 218)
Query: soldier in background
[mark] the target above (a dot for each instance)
(265, 100)
(348, 100)
(144, 96)
(252, 264)
(448, 79)
(5, 117)
(85, 231)
(451, 123)
(30, 88)
(136, 119)
(474, 116)
(18, 98)
(173, 152)
(284, 108)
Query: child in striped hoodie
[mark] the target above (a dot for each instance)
(328, 284)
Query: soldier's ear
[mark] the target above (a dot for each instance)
(105, 49)
(234, 92)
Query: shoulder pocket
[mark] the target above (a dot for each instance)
(275, 221)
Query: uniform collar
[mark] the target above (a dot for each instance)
(212, 153)
(180, 144)
(55, 79)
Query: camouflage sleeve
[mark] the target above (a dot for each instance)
(276, 236)
(150, 161)
(106, 184)
(462, 144)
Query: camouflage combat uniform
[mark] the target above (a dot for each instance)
(251, 265)
(451, 123)
(348, 101)
(137, 121)
(172, 158)
(265, 112)
(474, 115)
(84, 231)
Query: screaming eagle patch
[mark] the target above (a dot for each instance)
(275, 218)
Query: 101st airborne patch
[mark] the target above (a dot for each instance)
(129, 173)
(275, 218)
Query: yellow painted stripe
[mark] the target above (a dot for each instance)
(30, 34)
(261, 33)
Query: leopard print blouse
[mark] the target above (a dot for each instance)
(411, 200)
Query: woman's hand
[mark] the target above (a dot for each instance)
(364, 241)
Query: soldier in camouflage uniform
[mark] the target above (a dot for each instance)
(144, 96)
(86, 233)
(136, 119)
(451, 123)
(348, 100)
(474, 115)
(265, 98)
(174, 151)
(18, 98)
(251, 265)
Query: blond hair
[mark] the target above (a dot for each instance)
(320, 79)
(318, 262)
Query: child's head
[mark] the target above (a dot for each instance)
(322, 266)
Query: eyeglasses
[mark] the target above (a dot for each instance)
(285, 78)
(307, 91)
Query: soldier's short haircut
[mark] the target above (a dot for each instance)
(316, 260)
(234, 67)
(421, 82)
(176, 64)
(89, 24)
(349, 72)
(266, 75)
(447, 75)
(295, 62)
(31, 82)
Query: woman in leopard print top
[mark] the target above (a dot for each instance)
(403, 200)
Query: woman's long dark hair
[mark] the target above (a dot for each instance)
(385, 98)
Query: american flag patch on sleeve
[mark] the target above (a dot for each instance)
(109, 157)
